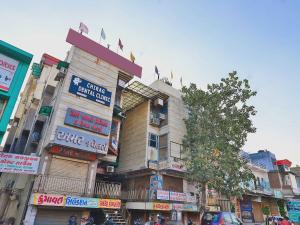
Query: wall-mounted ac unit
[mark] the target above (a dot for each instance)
(162, 116)
(155, 121)
(159, 102)
(110, 169)
(121, 83)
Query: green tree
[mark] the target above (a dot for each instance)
(218, 122)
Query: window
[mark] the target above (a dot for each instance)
(153, 140)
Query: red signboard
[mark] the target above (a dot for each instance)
(72, 153)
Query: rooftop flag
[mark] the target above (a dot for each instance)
(132, 58)
(83, 28)
(120, 44)
(157, 72)
(103, 36)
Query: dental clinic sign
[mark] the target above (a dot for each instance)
(8, 67)
(79, 140)
(89, 90)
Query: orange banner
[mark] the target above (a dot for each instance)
(161, 206)
(110, 203)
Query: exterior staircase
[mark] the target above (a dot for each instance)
(116, 216)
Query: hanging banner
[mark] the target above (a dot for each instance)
(79, 140)
(81, 202)
(89, 90)
(178, 196)
(109, 203)
(8, 67)
(15, 163)
(293, 207)
(162, 195)
(87, 121)
(48, 199)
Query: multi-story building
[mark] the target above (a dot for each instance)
(151, 153)
(74, 134)
(265, 158)
(14, 64)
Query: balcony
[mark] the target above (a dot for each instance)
(75, 186)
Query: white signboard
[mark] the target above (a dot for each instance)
(14, 163)
(8, 67)
(162, 195)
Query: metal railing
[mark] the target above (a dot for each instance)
(60, 185)
(107, 189)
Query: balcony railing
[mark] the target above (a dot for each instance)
(75, 186)
(107, 190)
(60, 185)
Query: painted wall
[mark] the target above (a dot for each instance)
(24, 59)
(265, 158)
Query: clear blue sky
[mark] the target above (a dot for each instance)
(199, 40)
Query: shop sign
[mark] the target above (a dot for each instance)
(15, 163)
(171, 165)
(161, 206)
(8, 67)
(191, 198)
(278, 194)
(162, 195)
(79, 140)
(87, 121)
(246, 211)
(178, 196)
(293, 207)
(48, 200)
(109, 203)
(190, 207)
(89, 90)
(72, 153)
(178, 207)
(82, 202)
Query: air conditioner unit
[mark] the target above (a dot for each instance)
(110, 169)
(155, 121)
(159, 102)
(121, 83)
(162, 116)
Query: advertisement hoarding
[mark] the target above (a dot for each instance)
(293, 207)
(82, 202)
(48, 199)
(8, 67)
(15, 163)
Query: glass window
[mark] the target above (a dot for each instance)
(2, 106)
(153, 140)
(227, 218)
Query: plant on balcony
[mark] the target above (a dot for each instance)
(218, 122)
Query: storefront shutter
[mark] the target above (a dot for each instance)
(59, 216)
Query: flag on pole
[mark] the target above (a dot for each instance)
(120, 44)
(181, 81)
(103, 36)
(132, 57)
(171, 75)
(83, 28)
(157, 72)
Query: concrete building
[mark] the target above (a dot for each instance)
(151, 152)
(265, 158)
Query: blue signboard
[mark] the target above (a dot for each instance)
(246, 211)
(79, 140)
(89, 90)
(82, 202)
(87, 121)
(293, 207)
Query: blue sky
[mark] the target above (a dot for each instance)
(199, 40)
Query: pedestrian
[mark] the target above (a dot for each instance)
(190, 222)
(285, 221)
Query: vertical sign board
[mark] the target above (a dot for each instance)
(89, 90)
(8, 67)
(79, 140)
(246, 211)
(293, 207)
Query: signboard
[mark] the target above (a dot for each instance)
(88, 90)
(87, 121)
(8, 67)
(81, 202)
(162, 195)
(156, 183)
(191, 198)
(178, 207)
(110, 203)
(14, 163)
(171, 165)
(72, 153)
(79, 140)
(293, 207)
(178, 196)
(48, 200)
(246, 211)
(161, 206)
(45, 110)
(190, 207)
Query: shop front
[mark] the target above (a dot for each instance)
(61, 209)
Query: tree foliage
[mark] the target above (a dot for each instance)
(218, 122)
